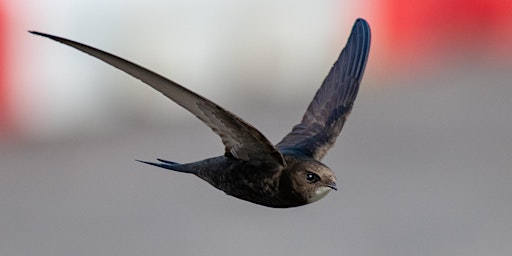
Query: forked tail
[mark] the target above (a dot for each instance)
(168, 165)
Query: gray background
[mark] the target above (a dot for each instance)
(422, 172)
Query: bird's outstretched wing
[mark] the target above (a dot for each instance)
(241, 140)
(326, 114)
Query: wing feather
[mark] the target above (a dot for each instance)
(331, 106)
(241, 139)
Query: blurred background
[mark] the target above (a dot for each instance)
(424, 162)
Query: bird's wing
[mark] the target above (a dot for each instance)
(326, 114)
(241, 140)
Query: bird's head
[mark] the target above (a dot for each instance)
(309, 179)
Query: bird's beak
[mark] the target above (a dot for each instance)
(332, 185)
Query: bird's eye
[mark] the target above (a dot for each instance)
(312, 177)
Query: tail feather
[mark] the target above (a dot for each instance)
(166, 161)
(168, 165)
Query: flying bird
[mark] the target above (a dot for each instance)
(287, 174)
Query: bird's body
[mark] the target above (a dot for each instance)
(288, 174)
(269, 185)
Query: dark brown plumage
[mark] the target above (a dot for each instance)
(286, 175)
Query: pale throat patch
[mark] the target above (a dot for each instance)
(319, 194)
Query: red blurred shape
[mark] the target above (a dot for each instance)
(4, 100)
(423, 31)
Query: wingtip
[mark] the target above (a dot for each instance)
(361, 20)
(361, 34)
(36, 33)
(361, 23)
